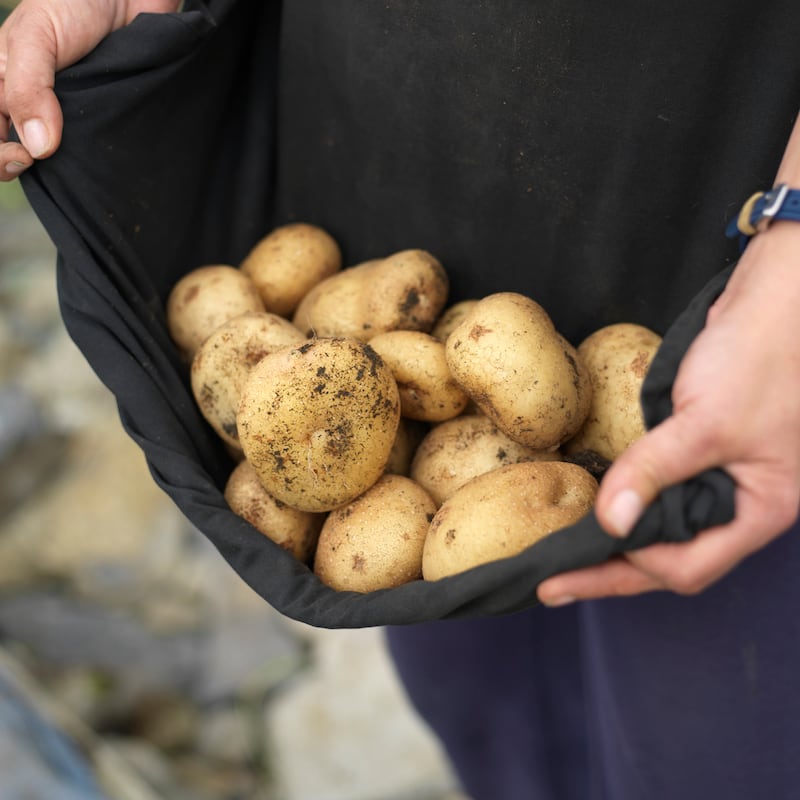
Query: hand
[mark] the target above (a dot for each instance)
(39, 38)
(736, 405)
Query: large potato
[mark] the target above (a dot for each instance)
(376, 541)
(501, 513)
(405, 291)
(295, 531)
(204, 299)
(286, 263)
(520, 371)
(618, 358)
(428, 391)
(318, 422)
(458, 450)
(224, 360)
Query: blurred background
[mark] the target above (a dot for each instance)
(134, 663)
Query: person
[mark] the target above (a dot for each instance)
(674, 677)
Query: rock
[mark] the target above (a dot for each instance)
(67, 631)
(343, 730)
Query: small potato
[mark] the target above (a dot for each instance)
(295, 531)
(375, 542)
(224, 360)
(405, 291)
(428, 391)
(450, 319)
(410, 433)
(520, 371)
(204, 299)
(460, 449)
(618, 358)
(288, 262)
(318, 422)
(501, 513)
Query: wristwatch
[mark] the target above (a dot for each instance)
(762, 208)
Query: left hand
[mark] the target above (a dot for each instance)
(736, 403)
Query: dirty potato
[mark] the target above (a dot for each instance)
(460, 449)
(204, 299)
(295, 531)
(521, 373)
(318, 421)
(410, 434)
(288, 262)
(405, 291)
(428, 392)
(501, 513)
(376, 541)
(618, 357)
(450, 319)
(224, 360)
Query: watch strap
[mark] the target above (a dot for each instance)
(762, 208)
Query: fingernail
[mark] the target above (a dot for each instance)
(624, 511)
(35, 137)
(564, 600)
(15, 167)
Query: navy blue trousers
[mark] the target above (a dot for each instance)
(656, 697)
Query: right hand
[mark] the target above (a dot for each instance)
(39, 38)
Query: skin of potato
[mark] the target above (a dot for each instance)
(293, 530)
(376, 541)
(520, 371)
(463, 448)
(222, 363)
(288, 262)
(501, 513)
(410, 433)
(450, 319)
(405, 291)
(318, 422)
(204, 299)
(618, 358)
(428, 392)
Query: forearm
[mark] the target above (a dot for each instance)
(789, 169)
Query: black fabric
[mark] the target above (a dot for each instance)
(180, 150)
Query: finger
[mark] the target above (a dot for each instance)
(614, 578)
(29, 79)
(14, 160)
(673, 451)
(693, 566)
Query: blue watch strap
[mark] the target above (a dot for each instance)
(762, 208)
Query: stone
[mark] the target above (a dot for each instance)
(343, 730)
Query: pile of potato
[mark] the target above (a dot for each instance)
(382, 436)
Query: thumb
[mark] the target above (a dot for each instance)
(668, 454)
(31, 56)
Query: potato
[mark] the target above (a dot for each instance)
(318, 422)
(405, 291)
(501, 513)
(410, 433)
(458, 450)
(376, 541)
(618, 358)
(450, 318)
(428, 391)
(224, 360)
(520, 371)
(204, 299)
(295, 531)
(288, 262)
